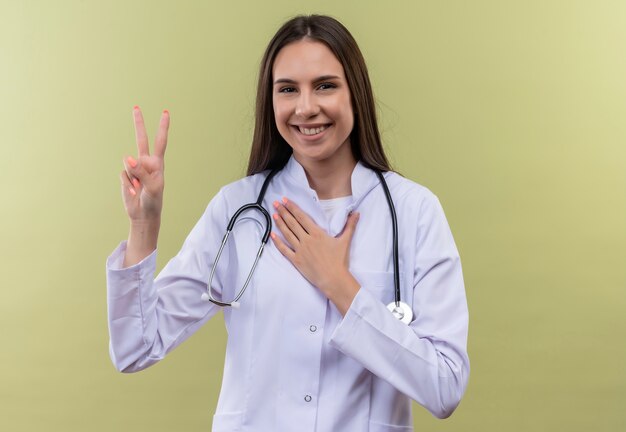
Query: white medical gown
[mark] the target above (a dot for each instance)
(293, 363)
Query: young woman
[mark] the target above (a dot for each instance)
(319, 340)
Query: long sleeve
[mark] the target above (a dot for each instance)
(148, 318)
(426, 360)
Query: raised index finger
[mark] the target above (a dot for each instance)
(161, 139)
(140, 133)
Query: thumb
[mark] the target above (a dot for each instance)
(348, 230)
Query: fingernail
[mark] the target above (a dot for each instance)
(273, 236)
(136, 107)
(275, 216)
(132, 191)
(132, 162)
(285, 200)
(166, 112)
(276, 204)
(136, 183)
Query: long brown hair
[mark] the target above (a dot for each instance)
(269, 149)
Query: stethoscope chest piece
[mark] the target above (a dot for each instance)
(401, 311)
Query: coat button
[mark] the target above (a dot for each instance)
(313, 328)
(307, 398)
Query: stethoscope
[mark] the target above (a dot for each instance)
(399, 309)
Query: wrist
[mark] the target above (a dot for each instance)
(145, 224)
(341, 290)
(142, 241)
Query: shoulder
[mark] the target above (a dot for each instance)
(420, 211)
(233, 195)
(242, 191)
(409, 194)
(246, 184)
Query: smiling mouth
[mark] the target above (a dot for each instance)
(312, 130)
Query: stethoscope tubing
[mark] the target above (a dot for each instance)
(394, 227)
(231, 225)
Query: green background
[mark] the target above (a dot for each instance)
(513, 113)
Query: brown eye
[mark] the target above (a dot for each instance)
(326, 86)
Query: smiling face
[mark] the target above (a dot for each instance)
(312, 104)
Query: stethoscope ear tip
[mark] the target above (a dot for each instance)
(235, 305)
(205, 297)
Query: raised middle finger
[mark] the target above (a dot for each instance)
(161, 139)
(140, 133)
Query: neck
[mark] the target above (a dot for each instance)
(330, 178)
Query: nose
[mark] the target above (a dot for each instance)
(307, 105)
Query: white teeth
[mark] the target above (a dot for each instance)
(313, 131)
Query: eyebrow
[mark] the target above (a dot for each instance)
(290, 81)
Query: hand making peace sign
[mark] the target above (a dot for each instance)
(142, 179)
